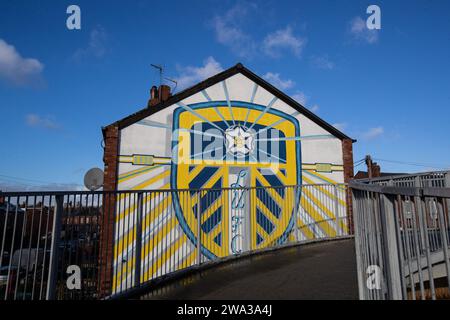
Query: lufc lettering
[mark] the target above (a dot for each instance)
(239, 309)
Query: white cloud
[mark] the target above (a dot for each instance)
(300, 97)
(229, 32)
(96, 47)
(314, 108)
(322, 62)
(340, 126)
(191, 75)
(274, 78)
(373, 133)
(34, 120)
(360, 32)
(15, 69)
(284, 39)
(229, 29)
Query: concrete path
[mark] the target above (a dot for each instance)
(324, 270)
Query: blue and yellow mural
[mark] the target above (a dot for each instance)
(233, 134)
(238, 140)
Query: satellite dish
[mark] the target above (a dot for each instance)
(93, 179)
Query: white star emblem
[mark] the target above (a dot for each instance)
(239, 141)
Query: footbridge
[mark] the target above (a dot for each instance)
(372, 239)
(316, 270)
(402, 235)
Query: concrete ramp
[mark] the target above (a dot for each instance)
(325, 270)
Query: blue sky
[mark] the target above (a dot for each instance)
(388, 88)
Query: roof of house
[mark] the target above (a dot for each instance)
(365, 175)
(238, 68)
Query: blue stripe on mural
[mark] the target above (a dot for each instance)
(205, 94)
(156, 124)
(255, 88)
(259, 239)
(202, 177)
(209, 197)
(265, 223)
(212, 221)
(274, 181)
(218, 239)
(227, 96)
(268, 201)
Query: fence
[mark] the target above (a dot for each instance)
(402, 239)
(42, 235)
(88, 245)
(437, 179)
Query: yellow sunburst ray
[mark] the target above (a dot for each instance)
(316, 216)
(305, 229)
(129, 236)
(319, 204)
(324, 190)
(322, 177)
(135, 173)
(149, 245)
(148, 197)
(164, 257)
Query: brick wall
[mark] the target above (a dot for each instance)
(347, 151)
(110, 157)
(110, 160)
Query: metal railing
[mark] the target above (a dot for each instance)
(43, 234)
(402, 237)
(437, 179)
(90, 245)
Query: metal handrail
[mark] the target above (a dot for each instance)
(405, 191)
(403, 176)
(124, 237)
(397, 228)
(101, 192)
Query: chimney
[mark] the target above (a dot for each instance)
(376, 170)
(373, 169)
(164, 92)
(154, 97)
(158, 95)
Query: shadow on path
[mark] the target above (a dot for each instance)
(325, 270)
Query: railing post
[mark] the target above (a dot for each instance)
(392, 249)
(249, 219)
(199, 229)
(297, 229)
(54, 249)
(422, 212)
(418, 201)
(137, 272)
(447, 179)
(447, 185)
(444, 230)
(358, 242)
(336, 209)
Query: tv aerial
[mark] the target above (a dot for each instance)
(160, 69)
(93, 179)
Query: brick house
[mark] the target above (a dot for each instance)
(233, 129)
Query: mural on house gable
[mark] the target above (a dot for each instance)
(232, 134)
